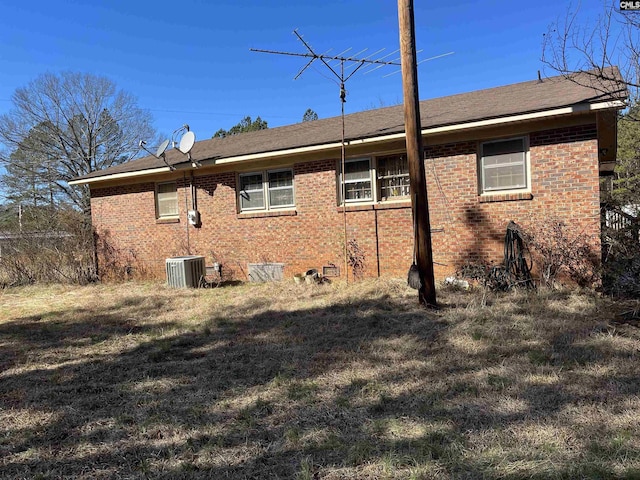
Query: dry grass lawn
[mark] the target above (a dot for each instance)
(283, 381)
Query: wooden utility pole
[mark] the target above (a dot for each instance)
(415, 154)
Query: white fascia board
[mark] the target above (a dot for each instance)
(275, 153)
(117, 176)
(580, 108)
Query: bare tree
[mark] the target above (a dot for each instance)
(79, 122)
(584, 51)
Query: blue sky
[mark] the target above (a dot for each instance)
(189, 61)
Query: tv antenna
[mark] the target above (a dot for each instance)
(159, 153)
(352, 62)
(356, 63)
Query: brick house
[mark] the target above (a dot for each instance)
(524, 152)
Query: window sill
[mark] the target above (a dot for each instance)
(272, 213)
(375, 206)
(162, 221)
(504, 197)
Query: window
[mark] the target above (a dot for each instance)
(375, 179)
(393, 176)
(357, 180)
(280, 188)
(251, 191)
(503, 165)
(166, 200)
(266, 190)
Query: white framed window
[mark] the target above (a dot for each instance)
(251, 191)
(280, 188)
(503, 165)
(266, 190)
(393, 176)
(375, 179)
(357, 180)
(166, 200)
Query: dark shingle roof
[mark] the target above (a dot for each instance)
(519, 98)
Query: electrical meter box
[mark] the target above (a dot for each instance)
(193, 216)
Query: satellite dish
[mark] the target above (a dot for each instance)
(186, 142)
(159, 152)
(163, 146)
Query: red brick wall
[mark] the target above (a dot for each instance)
(466, 226)
(564, 185)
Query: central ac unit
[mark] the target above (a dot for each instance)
(183, 272)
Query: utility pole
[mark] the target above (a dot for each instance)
(415, 154)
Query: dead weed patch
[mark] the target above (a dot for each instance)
(327, 381)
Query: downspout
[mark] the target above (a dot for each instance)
(194, 193)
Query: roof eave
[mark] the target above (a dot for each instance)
(567, 110)
(117, 176)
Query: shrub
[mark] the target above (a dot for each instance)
(356, 259)
(621, 262)
(489, 276)
(61, 251)
(562, 250)
(116, 264)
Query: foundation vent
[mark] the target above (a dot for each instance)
(266, 272)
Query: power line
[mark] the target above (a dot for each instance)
(210, 113)
(421, 61)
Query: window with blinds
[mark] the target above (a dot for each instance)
(166, 200)
(374, 179)
(503, 165)
(357, 180)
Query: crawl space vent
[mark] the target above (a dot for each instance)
(266, 272)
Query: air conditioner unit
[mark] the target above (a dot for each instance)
(183, 272)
